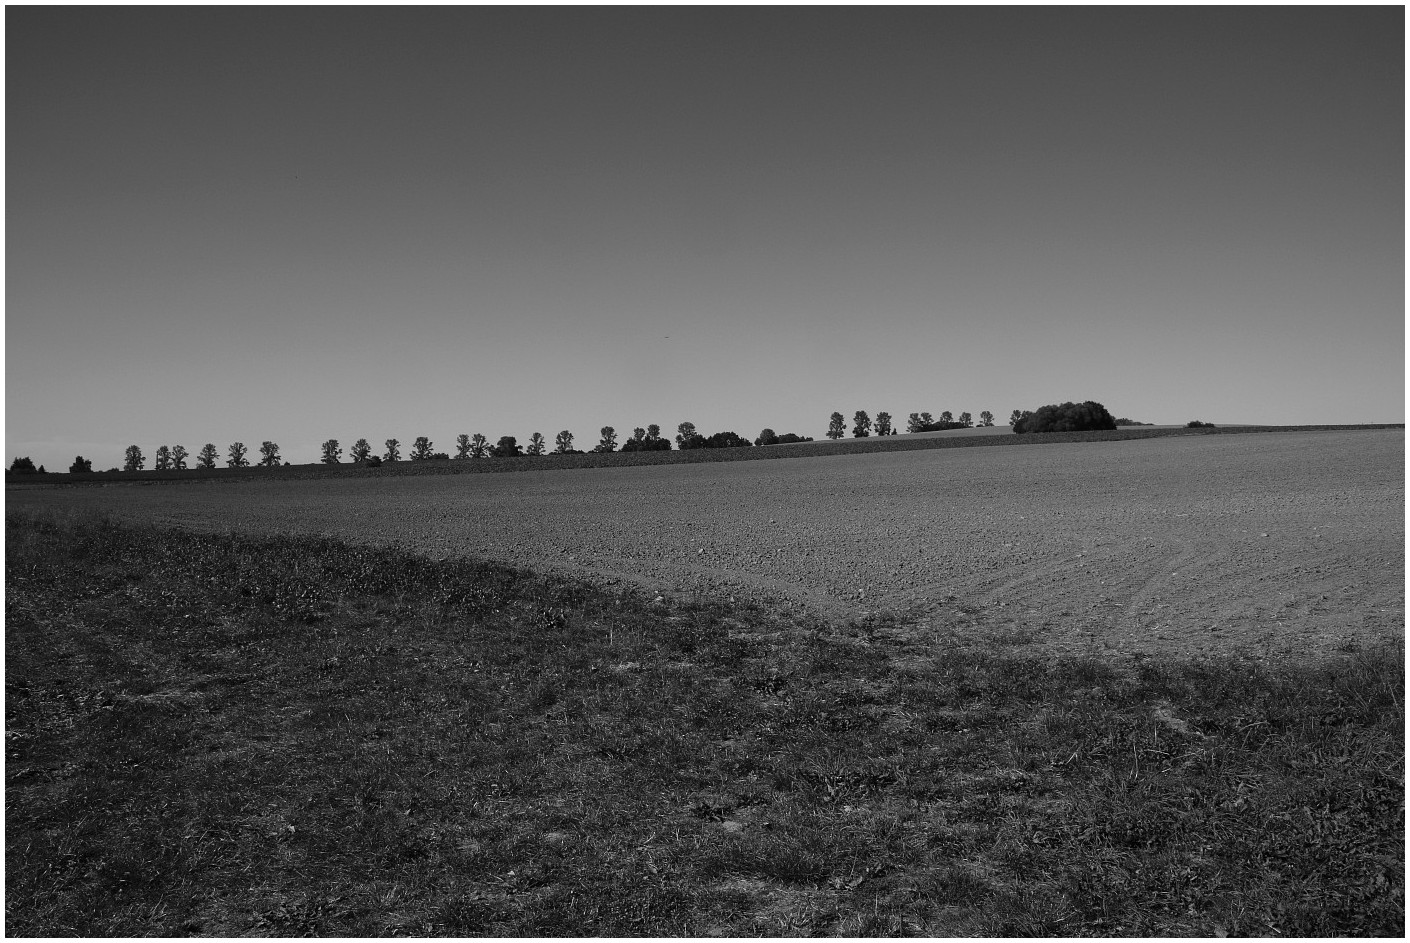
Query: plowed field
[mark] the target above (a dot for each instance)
(1272, 544)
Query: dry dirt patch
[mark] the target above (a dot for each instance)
(1275, 544)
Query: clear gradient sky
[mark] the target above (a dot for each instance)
(297, 224)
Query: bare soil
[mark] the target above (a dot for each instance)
(1274, 545)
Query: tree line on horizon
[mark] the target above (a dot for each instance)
(1052, 418)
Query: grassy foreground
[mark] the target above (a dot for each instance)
(225, 735)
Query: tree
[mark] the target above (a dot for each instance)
(270, 451)
(332, 454)
(1014, 417)
(134, 460)
(946, 416)
(163, 458)
(883, 424)
(393, 452)
(479, 446)
(688, 438)
(207, 456)
(80, 465)
(25, 466)
(178, 457)
(837, 426)
(462, 446)
(508, 447)
(913, 423)
(563, 443)
(986, 418)
(767, 437)
(861, 424)
(653, 432)
(609, 440)
(638, 434)
(536, 444)
(361, 450)
(966, 419)
(1067, 417)
(421, 449)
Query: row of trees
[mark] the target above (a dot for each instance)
(863, 425)
(1052, 418)
(174, 458)
(475, 446)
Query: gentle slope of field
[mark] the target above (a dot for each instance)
(1266, 544)
(222, 735)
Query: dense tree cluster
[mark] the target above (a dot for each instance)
(1065, 417)
(507, 447)
(647, 440)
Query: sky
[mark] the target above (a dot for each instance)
(296, 224)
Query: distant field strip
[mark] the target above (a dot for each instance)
(924, 441)
(1279, 543)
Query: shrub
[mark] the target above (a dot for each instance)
(1196, 424)
(372, 461)
(1067, 417)
(80, 464)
